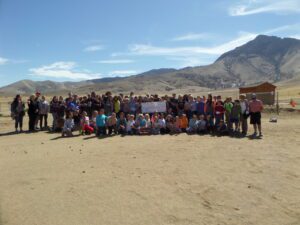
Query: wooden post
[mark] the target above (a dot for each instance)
(277, 104)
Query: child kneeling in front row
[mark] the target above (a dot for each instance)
(68, 126)
(85, 124)
(202, 125)
(221, 129)
(112, 124)
(101, 120)
(193, 125)
(130, 125)
(93, 120)
(121, 124)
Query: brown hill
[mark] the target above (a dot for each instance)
(266, 58)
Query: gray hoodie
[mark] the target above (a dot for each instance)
(43, 107)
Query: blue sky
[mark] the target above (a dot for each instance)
(76, 40)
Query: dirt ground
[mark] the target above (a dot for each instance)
(147, 180)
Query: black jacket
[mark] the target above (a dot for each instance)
(14, 108)
(33, 108)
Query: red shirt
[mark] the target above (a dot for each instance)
(255, 106)
(219, 110)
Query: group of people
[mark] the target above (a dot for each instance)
(120, 114)
(38, 110)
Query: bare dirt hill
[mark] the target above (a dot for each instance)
(266, 58)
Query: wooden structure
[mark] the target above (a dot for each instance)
(264, 91)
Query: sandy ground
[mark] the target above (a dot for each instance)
(46, 180)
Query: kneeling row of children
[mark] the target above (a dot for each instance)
(100, 124)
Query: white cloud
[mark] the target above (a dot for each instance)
(93, 48)
(296, 36)
(191, 53)
(122, 73)
(186, 51)
(63, 70)
(115, 61)
(196, 55)
(250, 7)
(3, 61)
(291, 27)
(191, 37)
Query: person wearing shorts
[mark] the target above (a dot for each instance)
(255, 108)
(244, 114)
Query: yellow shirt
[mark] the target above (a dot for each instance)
(117, 106)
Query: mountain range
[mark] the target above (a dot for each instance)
(266, 58)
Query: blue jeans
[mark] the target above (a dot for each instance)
(101, 131)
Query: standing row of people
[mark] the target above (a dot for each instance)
(38, 110)
(230, 113)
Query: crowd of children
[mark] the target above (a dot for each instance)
(107, 114)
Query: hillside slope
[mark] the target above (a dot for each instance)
(266, 58)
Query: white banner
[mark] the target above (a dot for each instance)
(152, 107)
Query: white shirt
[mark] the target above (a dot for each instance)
(162, 123)
(243, 106)
(129, 125)
(148, 124)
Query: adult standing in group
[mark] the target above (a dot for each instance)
(210, 109)
(108, 104)
(17, 109)
(33, 112)
(117, 105)
(37, 100)
(54, 110)
(255, 108)
(43, 112)
(244, 114)
(228, 105)
(132, 104)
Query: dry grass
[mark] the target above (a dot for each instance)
(184, 180)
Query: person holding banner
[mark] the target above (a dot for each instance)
(154, 107)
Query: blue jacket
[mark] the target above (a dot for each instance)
(201, 107)
(101, 120)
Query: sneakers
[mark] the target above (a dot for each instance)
(255, 135)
